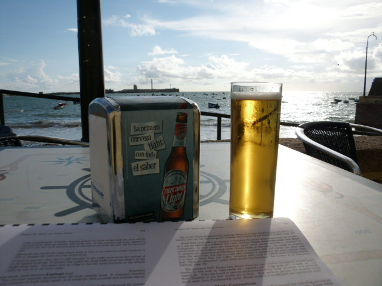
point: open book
(230, 252)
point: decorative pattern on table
(11, 167)
(69, 161)
(45, 178)
(75, 192)
(213, 189)
(347, 201)
(78, 189)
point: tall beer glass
(255, 124)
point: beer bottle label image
(174, 187)
(180, 134)
(174, 190)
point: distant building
(369, 108)
(376, 87)
(136, 90)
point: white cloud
(135, 29)
(332, 45)
(309, 41)
(351, 61)
(378, 53)
(226, 67)
(34, 78)
(320, 35)
(216, 69)
(297, 26)
(167, 67)
(276, 1)
(159, 51)
(29, 79)
(111, 77)
(279, 46)
(362, 11)
(168, 1)
(303, 67)
(73, 78)
(219, 71)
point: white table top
(339, 213)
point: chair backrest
(337, 136)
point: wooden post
(90, 53)
(2, 115)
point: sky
(195, 45)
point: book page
(239, 252)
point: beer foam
(256, 95)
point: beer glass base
(249, 216)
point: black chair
(8, 138)
(332, 142)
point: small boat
(60, 105)
(213, 105)
(346, 101)
(337, 100)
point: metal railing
(4, 92)
(219, 116)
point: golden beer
(255, 123)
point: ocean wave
(16, 110)
(46, 124)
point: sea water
(37, 116)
